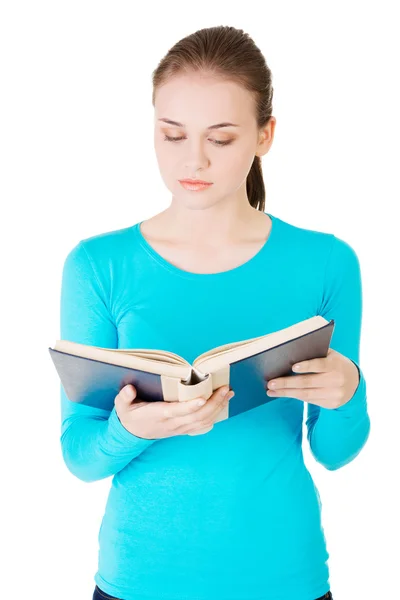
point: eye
(176, 139)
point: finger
(126, 394)
(203, 418)
(320, 396)
(300, 381)
(216, 401)
(314, 365)
(178, 409)
(208, 407)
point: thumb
(127, 394)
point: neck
(213, 226)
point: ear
(266, 137)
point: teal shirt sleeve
(337, 435)
(94, 442)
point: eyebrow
(217, 126)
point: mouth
(195, 181)
(194, 185)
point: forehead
(202, 100)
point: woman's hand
(154, 420)
(331, 382)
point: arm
(337, 435)
(94, 443)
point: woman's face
(222, 155)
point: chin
(195, 202)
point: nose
(197, 159)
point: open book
(94, 376)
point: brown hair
(231, 54)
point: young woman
(231, 514)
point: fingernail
(224, 391)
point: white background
(77, 159)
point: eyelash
(176, 139)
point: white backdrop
(77, 159)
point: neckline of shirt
(252, 262)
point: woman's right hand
(155, 420)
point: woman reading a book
(233, 513)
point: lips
(195, 181)
(195, 187)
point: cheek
(235, 165)
(167, 160)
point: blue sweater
(232, 514)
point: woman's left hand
(330, 382)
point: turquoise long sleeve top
(232, 514)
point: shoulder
(108, 244)
(103, 247)
(101, 258)
(329, 246)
